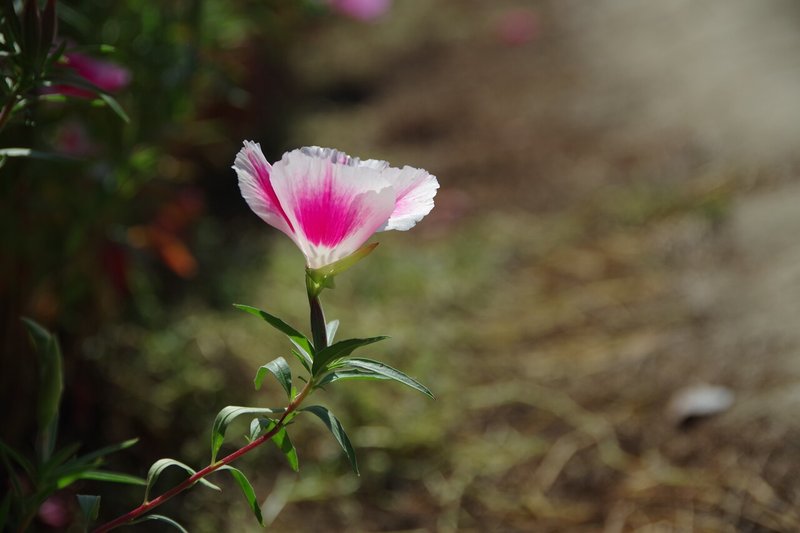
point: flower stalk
(210, 469)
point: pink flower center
(327, 216)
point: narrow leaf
(159, 518)
(31, 30)
(297, 338)
(339, 350)
(161, 465)
(282, 441)
(7, 452)
(338, 375)
(335, 427)
(303, 357)
(332, 327)
(51, 381)
(35, 154)
(225, 417)
(278, 368)
(114, 105)
(90, 506)
(247, 491)
(12, 20)
(49, 26)
(100, 475)
(107, 450)
(391, 373)
(60, 457)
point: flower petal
(415, 189)
(334, 203)
(254, 182)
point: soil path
(564, 112)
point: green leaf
(64, 474)
(35, 154)
(338, 375)
(114, 105)
(90, 506)
(16, 484)
(282, 441)
(304, 358)
(391, 373)
(49, 27)
(225, 417)
(51, 382)
(106, 450)
(332, 327)
(7, 452)
(161, 465)
(339, 350)
(60, 457)
(159, 518)
(247, 491)
(31, 31)
(12, 20)
(336, 429)
(100, 475)
(280, 369)
(298, 339)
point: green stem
(318, 326)
(150, 505)
(5, 112)
(319, 331)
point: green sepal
(336, 429)
(321, 278)
(278, 368)
(225, 417)
(298, 339)
(247, 490)
(161, 465)
(281, 440)
(338, 350)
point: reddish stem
(149, 505)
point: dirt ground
(629, 175)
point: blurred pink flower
(518, 26)
(55, 511)
(72, 139)
(361, 9)
(329, 203)
(106, 75)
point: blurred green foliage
(111, 219)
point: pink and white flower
(329, 203)
(365, 10)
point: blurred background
(604, 300)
